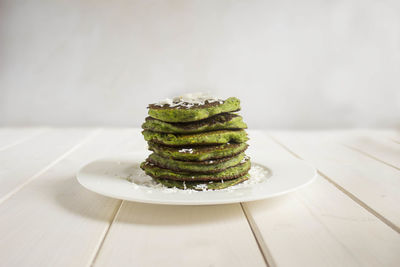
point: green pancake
(227, 174)
(198, 153)
(209, 166)
(184, 112)
(206, 138)
(222, 121)
(199, 186)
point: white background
(294, 64)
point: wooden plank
(23, 162)
(156, 235)
(370, 181)
(53, 221)
(12, 136)
(318, 225)
(395, 135)
(376, 146)
(321, 226)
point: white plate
(111, 177)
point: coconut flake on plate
(257, 174)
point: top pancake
(186, 112)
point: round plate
(113, 177)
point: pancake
(206, 138)
(181, 111)
(209, 166)
(227, 174)
(218, 122)
(198, 153)
(198, 142)
(201, 185)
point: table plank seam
(371, 156)
(326, 228)
(361, 203)
(89, 136)
(92, 261)
(349, 194)
(22, 140)
(269, 261)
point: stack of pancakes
(197, 143)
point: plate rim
(178, 202)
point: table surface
(350, 216)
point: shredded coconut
(202, 187)
(140, 180)
(189, 100)
(186, 150)
(244, 159)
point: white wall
(294, 64)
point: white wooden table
(350, 216)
